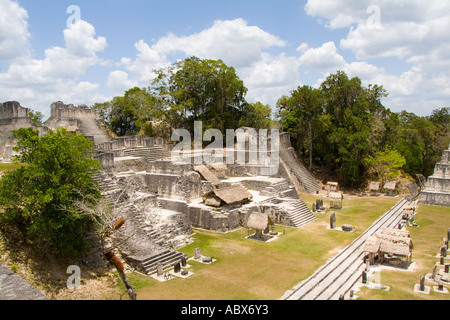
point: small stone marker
(177, 268)
(347, 228)
(183, 261)
(364, 277)
(422, 283)
(207, 259)
(333, 220)
(444, 251)
(441, 286)
(197, 253)
(159, 270)
(447, 268)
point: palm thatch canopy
(390, 185)
(390, 241)
(398, 246)
(374, 186)
(259, 221)
(397, 233)
(372, 244)
(207, 175)
(336, 196)
(228, 196)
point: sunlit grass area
(4, 167)
(251, 270)
(428, 238)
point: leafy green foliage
(37, 200)
(342, 125)
(385, 165)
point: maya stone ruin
(163, 200)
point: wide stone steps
(299, 170)
(149, 153)
(300, 214)
(166, 258)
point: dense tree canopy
(335, 126)
(342, 125)
(36, 201)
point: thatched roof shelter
(397, 233)
(207, 175)
(228, 196)
(390, 241)
(374, 186)
(336, 196)
(390, 185)
(372, 244)
(398, 246)
(259, 221)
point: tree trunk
(310, 138)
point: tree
(34, 199)
(300, 114)
(421, 141)
(256, 115)
(201, 90)
(385, 165)
(132, 113)
(36, 117)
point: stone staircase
(109, 188)
(280, 189)
(300, 214)
(167, 258)
(150, 154)
(293, 163)
(297, 211)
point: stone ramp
(343, 271)
(149, 264)
(13, 287)
(295, 167)
(90, 128)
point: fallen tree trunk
(112, 259)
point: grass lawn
(252, 270)
(428, 238)
(9, 167)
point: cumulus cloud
(324, 58)
(14, 34)
(233, 41)
(238, 44)
(39, 82)
(414, 32)
(118, 82)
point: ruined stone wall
(13, 117)
(77, 119)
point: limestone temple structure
(437, 191)
(13, 117)
(162, 200)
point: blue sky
(275, 46)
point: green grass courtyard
(251, 270)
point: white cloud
(14, 34)
(324, 58)
(37, 83)
(118, 82)
(270, 78)
(239, 45)
(233, 41)
(414, 32)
